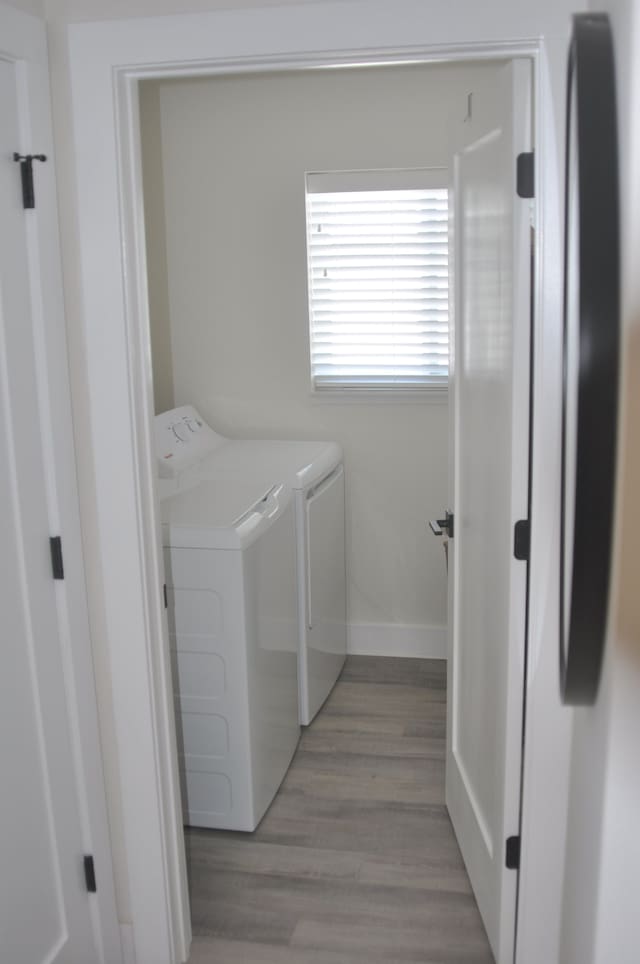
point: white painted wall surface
(79, 11)
(234, 154)
(309, 27)
(156, 237)
(33, 7)
(602, 881)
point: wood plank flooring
(356, 861)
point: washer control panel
(182, 439)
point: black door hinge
(164, 592)
(26, 173)
(521, 540)
(90, 874)
(57, 566)
(525, 175)
(512, 853)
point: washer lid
(298, 464)
(221, 514)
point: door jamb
(133, 236)
(159, 793)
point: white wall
(156, 238)
(33, 7)
(78, 11)
(235, 150)
(602, 882)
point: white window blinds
(378, 283)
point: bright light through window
(378, 280)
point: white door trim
(24, 43)
(107, 60)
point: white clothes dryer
(315, 472)
(230, 567)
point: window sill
(372, 396)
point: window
(377, 251)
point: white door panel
(45, 914)
(487, 586)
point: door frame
(106, 62)
(24, 43)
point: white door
(45, 908)
(489, 491)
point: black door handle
(438, 526)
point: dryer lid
(299, 464)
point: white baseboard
(396, 639)
(128, 946)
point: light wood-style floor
(356, 861)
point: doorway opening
(207, 307)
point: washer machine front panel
(232, 617)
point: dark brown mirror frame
(591, 132)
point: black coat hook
(26, 173)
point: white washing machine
(315, 472)
(229, 556)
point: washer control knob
(180, 431)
